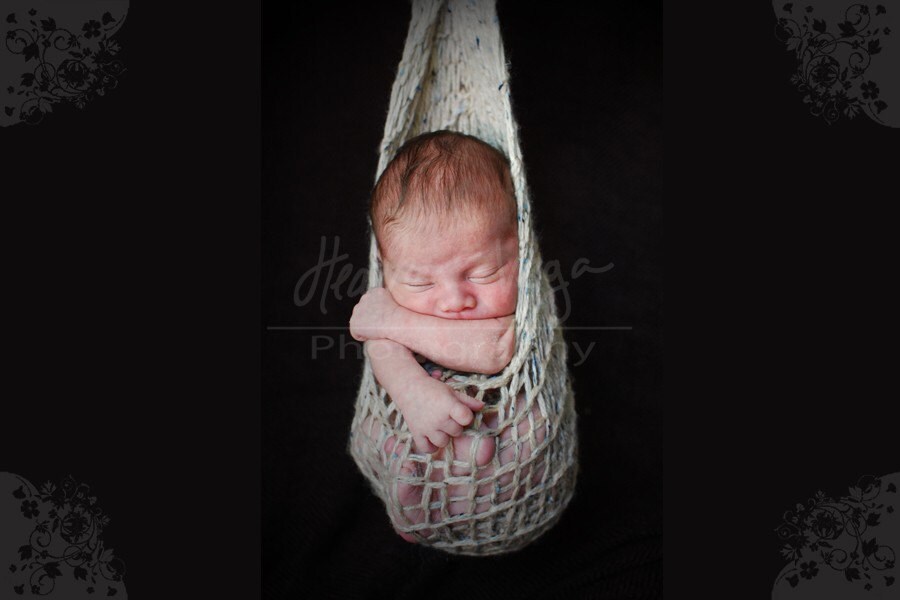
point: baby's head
(444, 218)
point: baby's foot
(466, 448)
(409, 495)
(502, 489)
(507, 454)
(468, 445)
(399, 467)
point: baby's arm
(433, 411)
(472, 345)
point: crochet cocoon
(453, 75)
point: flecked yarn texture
(453, 75)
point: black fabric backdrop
(587, 93)
(133, 322)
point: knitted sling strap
(453, 75)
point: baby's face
(454, 269)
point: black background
(131, 260)
(780, 249)
(130, 244)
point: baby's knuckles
(429, 407)
(372, 313)
(357, 324)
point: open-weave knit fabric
(453, 75)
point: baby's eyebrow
(483, 262)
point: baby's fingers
(423, 446)
(452, 428)
(461, 414)
(439, 438)
(469, 401)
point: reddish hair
(442, 173)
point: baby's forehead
(462, 234)
(418, 253)
(461, 221)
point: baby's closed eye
(487, 277)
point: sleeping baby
(444, 219)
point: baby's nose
(457, 300)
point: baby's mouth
(457, 315)
(470, 315)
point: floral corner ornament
(69, 56)
(838, 546)
(835, 48)
(61, 552)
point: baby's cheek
(506, 299)
(415, 302)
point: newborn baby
(444, 218)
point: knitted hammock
(453, 75)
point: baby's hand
(434, 412)
(372, 315)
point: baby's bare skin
(472, 345)
(433, 411)
(450, 295)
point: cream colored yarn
(453, 75)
